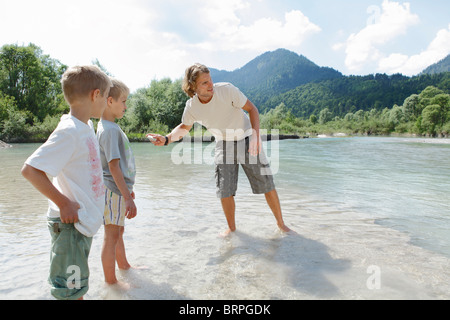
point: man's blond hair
(79, 81)
(190, 78)
(118, 89)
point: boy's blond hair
(118, 89)
(79, 81)
(190, 78)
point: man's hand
(177, 134)
(156, 139)
(255, 145)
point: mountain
(441, 66)
(273, 73)
(305, 88)
(353, 93)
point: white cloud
(266, 34)
(364, 47)
(131, 39)
(228, 32)
(219, 17)
(118, 33)
(438, 49)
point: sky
(138, 41)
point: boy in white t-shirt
(76, 196)
(119, 171)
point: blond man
(220, 108)
(71, 156)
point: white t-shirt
(223, 116)
(71, 155)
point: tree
(443, 100)
(411, 107)
(160, 104)
(139, 114)
(426, 97)
(349, 117)
(396, 115)
(97, 63)
(325, 116)
(33, 79)
(359, 116)
(431, 118)
(167, 101)
(7, 103)
(14, 128)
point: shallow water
(371, 217)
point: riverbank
(4, 145)
(269, 137)
(209, 138)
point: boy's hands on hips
(69, 212)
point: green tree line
(31, 104)
(30, 93)
(426, 113)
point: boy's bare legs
(110, 244)
(109, 253)
(121, 256)
(274, 203)
(229, 208)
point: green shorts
(69, 271)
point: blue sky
(138, 40)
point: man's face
(204, 87)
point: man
(219, 107)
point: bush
(15, 128)
(40, 131)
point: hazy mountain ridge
(274, 73)
(305, 88)
(441, 66)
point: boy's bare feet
(119, 285)
(134, 268)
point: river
(371, 217)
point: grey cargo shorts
(228, 156)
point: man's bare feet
(226, 233)
(284, 228)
